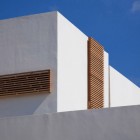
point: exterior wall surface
(72, 67)
(106, 79)
(29, 44)
(105, 124)
(122, 91)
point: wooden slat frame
(23, 83)
(95, 75)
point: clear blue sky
(113, 23)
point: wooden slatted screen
(23, 83)
(95, 75)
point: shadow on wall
(21, 105)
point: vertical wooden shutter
(23, 83)
(95, 75)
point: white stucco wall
(106, 79)
(122, 91)
(28, 44)
(104, 124)
(72, 67)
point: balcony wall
(106, 124)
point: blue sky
(113, 23)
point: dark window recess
(23, 83)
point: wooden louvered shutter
(23, 83)
(95, 75)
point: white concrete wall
(122, 91)
(28, 44)
(72, 67)
(104, 124)
(106, 79)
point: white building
(79, 76)
(48, 66)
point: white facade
(29, 44)
(72, 67)
(106, 80)
(49, 41)
(39, 42)
(122, 91)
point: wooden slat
(23, 83)
(95, 75)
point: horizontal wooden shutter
(23, 83)
(95, 75)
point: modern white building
(48, 65)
